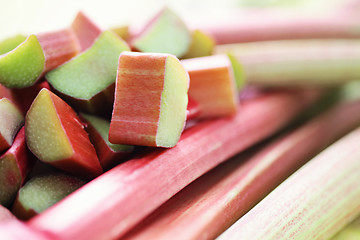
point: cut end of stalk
(174, 101)
(41, 192)
(45, 136)
(201, 45)
(91, 72)
(10, 43)
(166, 33)
(103, 126)
(11, 119)
(10, 179)
(22, 66)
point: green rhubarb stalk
(298, 62)
(232, 189)
(314, 203)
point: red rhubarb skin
(267, 25)
(83, 162)
(19, 153)
(193, 109)
(214, 202)
(135, 188)
(17, 230)
(58, 47)
(23, 97)
(3, 143)
(107, 156)
(24, 159)
(6, 93)
(136, 112)
(86, 30)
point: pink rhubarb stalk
(112, 204)
(265, 25)
(211, 204)
(313, 203)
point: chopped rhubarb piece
(201, 45)
(11, 120)
(87, 81)
(165, 33)
(15, 165)
(86, 30)
(123, 32)
(212, 85)
(23, 97)
(307, 204)
(23, 66)
(132, 190)
(9, 44)
(56, 136)
(150, 100)
(109, 154)
(41, 192)
(298, 62)
(233, 188)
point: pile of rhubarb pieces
(236, 131)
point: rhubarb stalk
(314, 203)
(265, 25)
(215, 201)
(132, 190)
(298, 62)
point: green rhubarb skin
(41, 192)
(103, 127)
(10, 43)
(22, 66)
(168, 34)
(91, 72)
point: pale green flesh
(167, 35)
(10, 43)
(174, 100)
(103, 126)
(10, 179)
(10, 120)
(91, 72)
(238, 71)
(22, 66)
(201, 45)
(41, 192)
(45, 136)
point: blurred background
(34, 16)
